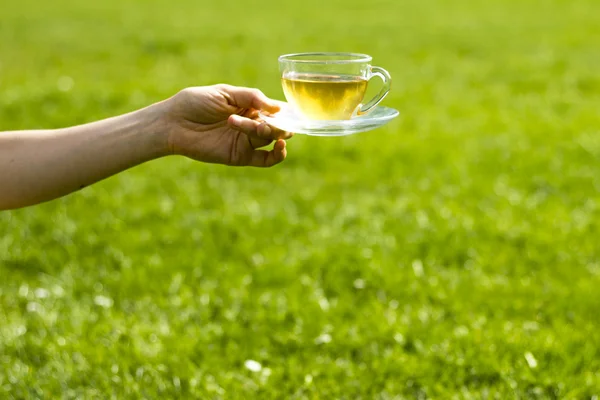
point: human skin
(213, 124)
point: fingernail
(267, 130)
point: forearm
(41, 165)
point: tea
(324, 97)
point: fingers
(263, 158)
(256, 128)
(258, 143)
(243, 97)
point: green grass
(452, 254)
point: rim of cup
(306, 58)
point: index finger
(257, 128)
(244, 97)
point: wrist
(170, 125)
(156, 128)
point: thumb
(243, 97)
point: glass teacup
(330, 86)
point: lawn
(454, 253)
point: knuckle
(222, 88)
(186, 92)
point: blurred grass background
(452, 254)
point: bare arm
(215, 124)
(41, 165)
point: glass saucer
(288, 120)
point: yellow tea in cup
(324, 97)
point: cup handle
(387, 84)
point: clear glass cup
(330, 86)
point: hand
(220, 124)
